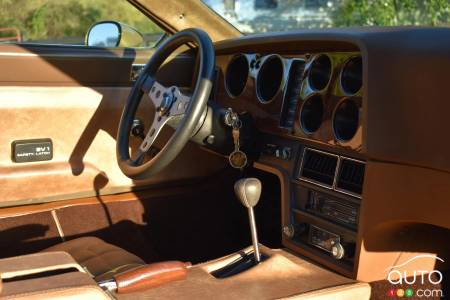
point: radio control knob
(293, 230)
(338, 251)
(289, 231)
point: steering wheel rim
(168, 101)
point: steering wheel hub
(166, 104)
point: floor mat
(202, 222)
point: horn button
(168, 100)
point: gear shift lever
(248, 190)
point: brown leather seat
(99, 258)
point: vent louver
(339, 173)
(351, 176)
(319, 167)
(293, 88)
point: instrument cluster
(317, 96)
(330, 105)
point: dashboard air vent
(292, 93)
(319, 167)
(351, 176)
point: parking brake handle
(146, 277)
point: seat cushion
(99, 258)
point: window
(254, 16)
(68, 21)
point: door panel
(44, 65)
(74, 95)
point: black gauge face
(351, 76)
(236, 75)
(270, 78)
(311, 114)
(320, 72)
(346, 120)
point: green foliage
(69, 20)
(66, 19)
(297, 14)
(52, 20)
(392, 13)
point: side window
(66, 22)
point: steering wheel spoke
(168, 103)
(152, 134)
(138, 158)
(181, 103)
(157, 92)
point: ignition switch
(230, 117)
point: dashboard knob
(286, 153)
(293, 230)
(338, 251)
(289, 231)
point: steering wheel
(169, 103)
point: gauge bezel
(280, 78)
(227, 76)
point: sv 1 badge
(32, 150)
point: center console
(323, 209)
(280, 275)
(321, 200)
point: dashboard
(314, 97)
(341, 114)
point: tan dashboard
(352, 129)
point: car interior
(306, 164)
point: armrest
(36, 263)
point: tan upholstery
(36, 263)
(99, 258)
(282, 275)
(74, 285)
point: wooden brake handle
(150, 276)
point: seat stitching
(100, 257)
(115, 270)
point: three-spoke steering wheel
(169, 103)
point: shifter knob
(248, 190)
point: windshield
(254, 16)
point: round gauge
(311, 114)
(346, 120)
(320, 72)
(270, 78)
(236, 75)
(351, 75)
